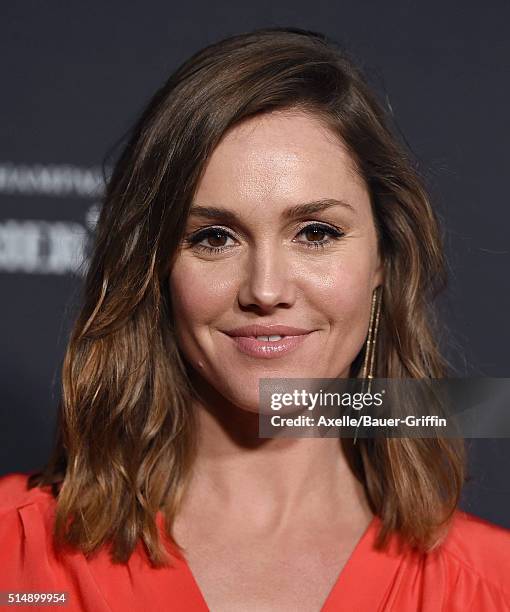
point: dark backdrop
(75, 75)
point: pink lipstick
(268, 341)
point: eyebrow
(293, 212)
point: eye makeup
(218, 233)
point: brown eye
(319, 235)
(210, 240)
(216, 239)
(315, 233)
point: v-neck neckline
(361, 583)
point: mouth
(268, 347)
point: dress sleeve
(28, 561)
(477, 559)
(470, 591)
(24, 542)
(11, 548)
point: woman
(262, 194)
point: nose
(267, 280)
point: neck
(269, 482)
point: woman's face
(253, 257)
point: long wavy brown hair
(126, 432)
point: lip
(245, 341)
(267, 330)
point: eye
(315, 233)
(215, 239)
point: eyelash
(200, 235)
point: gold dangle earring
(370, 350)
(368, 370)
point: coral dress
(469, 571)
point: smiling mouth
(268, 347)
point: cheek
(197, 297)
(343, 297)
(343, 285)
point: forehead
(277, 159)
